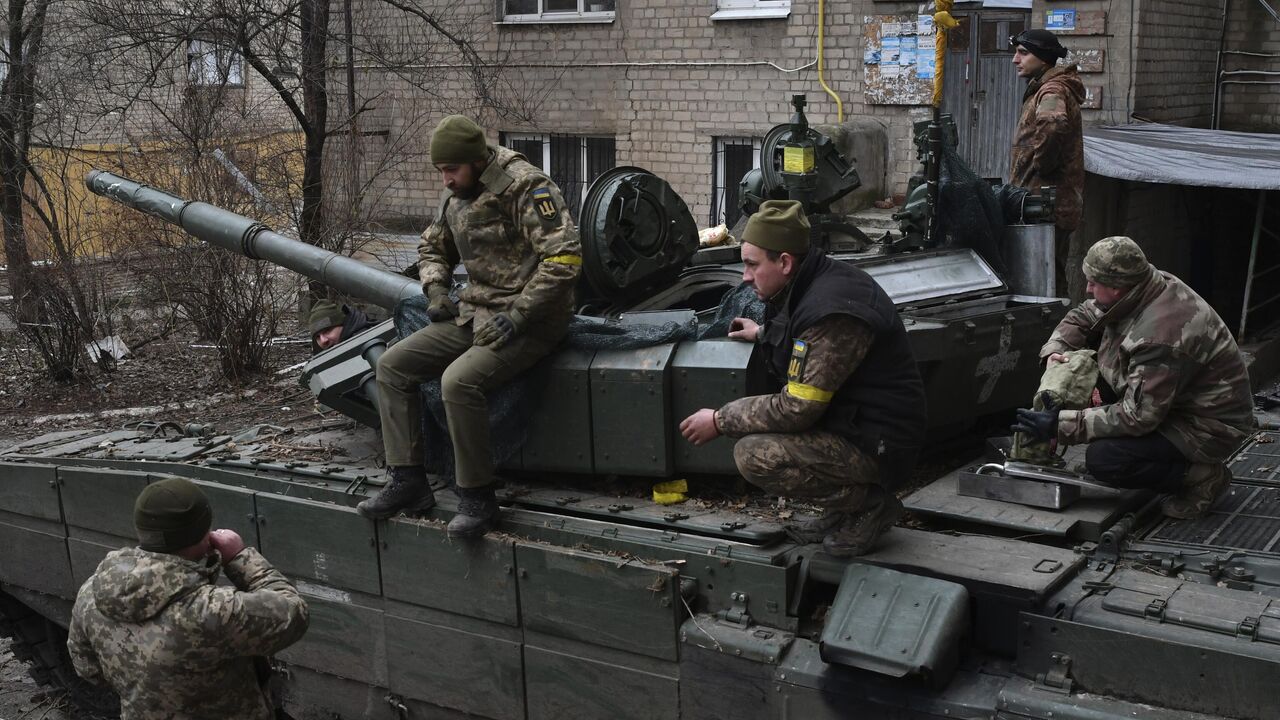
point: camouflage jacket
(1048, 144)
(156, 630)
(517, 242)
(1173, 364)
(835, 347)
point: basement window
(734, 157)
(556, 11)
(751, 9)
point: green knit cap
(457, 141)
(171, 514)
(779, 225)
(1116, 262)
(324, 315)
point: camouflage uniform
(780, 451)
(520, 248)
(1048, 149)
(1173, 365)
(157, 630)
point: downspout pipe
(822, 15)
(1217, 68)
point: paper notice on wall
(925, 67)
(890, 50)
(924, 25)
(907, 50)
(924, 44)
(871, 56)
(1060, 20)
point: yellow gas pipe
(839, 105)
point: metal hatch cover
(915, 278)
(636, 233)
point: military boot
(813, 531)
(1202, 485)
(859, 532)
(477, 513)
(407, 490)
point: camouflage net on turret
(512, 406)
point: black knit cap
(1041, 43)
(171, 514)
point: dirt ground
(176, 379)
(21, 698)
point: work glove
(498, 330)
(1039, 424)
(441, 307)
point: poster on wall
(897, 59)
(1056, 20)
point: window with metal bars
(571, 161)
(732, 158)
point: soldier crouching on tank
(848, 421)
(330, 324)
(1177, 393)
(152, 625)
(507, 223)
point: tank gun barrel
(252, 239)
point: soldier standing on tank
(1048, 144)
(1176, 393)
(508, 225)
(152, 625)
(848, 420)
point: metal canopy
(1175, 155)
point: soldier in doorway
(1048, 144)
(507, 223)
(847, 422)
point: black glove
(498, 330)
(441, 307)
(1039, 424)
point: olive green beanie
(171, 514)
(779, 225)
(457, 141)
(1116, 262)
(324, 315)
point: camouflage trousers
(817, 466)
(467, 374)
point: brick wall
(1251, 107)
(1176, 49)
(662, 78)
(1100, 44)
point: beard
(470, 192)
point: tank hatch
(636, 233)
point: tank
(594, 601)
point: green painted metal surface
(706, 375)
(467, 671)
(421, 565)
(327, 543)
(631, 411)
(100, 500)
(614, 602)
(344, 638)
(559, 438)
(31, 490)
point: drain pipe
(1217, 70)
(822, 15)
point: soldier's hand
(1054, 359)
(1039, 424)
(700, 427)
(228, 543)
(441, 306)
(744, 329)
(497, 330)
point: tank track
(42, 645)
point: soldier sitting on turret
(508, 225)
(848, 420)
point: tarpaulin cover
(1175, 155)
